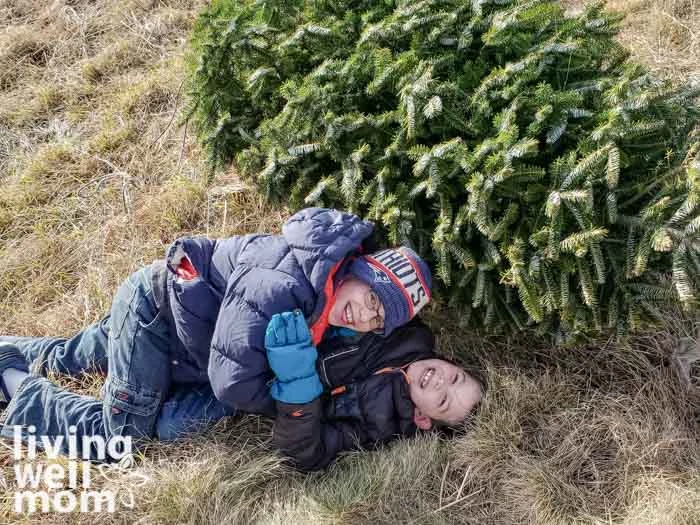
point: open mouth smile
(347, 314)
(426, 377)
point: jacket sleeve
(238, 368)
(213, 259)
(311, 443)
(368, 413)
(198, 250)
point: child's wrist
(297, 391)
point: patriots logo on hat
(380, 276)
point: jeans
(130, 345)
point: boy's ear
(421, 420)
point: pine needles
(517, 148)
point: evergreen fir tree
(551, 181)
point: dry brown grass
(663, 34)
(97, 178)
(602, 434)
(96, 173)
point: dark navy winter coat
(366, 401)
(220, 310)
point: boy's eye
(454, 379)
(373, 300)
(443, 402)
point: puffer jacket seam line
(247, 303)
(277, 266)
(245, 246)
(323, 250)
(318, 212)
(215, 348)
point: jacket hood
(319, 238)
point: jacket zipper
(323, 364)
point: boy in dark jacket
(376, 390)
(195, 323)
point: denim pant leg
(189, 409)
(138, 379)
(84, 352)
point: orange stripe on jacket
(321, 324)
(389, 369)
(339, 390)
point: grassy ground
(97, 177)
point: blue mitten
(292, 357)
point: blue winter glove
(290, 352)
(292, 357)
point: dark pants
(140, 400)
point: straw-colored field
(97, 177)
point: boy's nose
(365, 314)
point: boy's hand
(288, 328)
(292, 357)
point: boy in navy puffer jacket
(197, 321)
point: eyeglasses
(373, 303)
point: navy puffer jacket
(220, 315)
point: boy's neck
(342, 331)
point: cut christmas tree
(550, 181)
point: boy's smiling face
(357, 307)
(441, 391)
